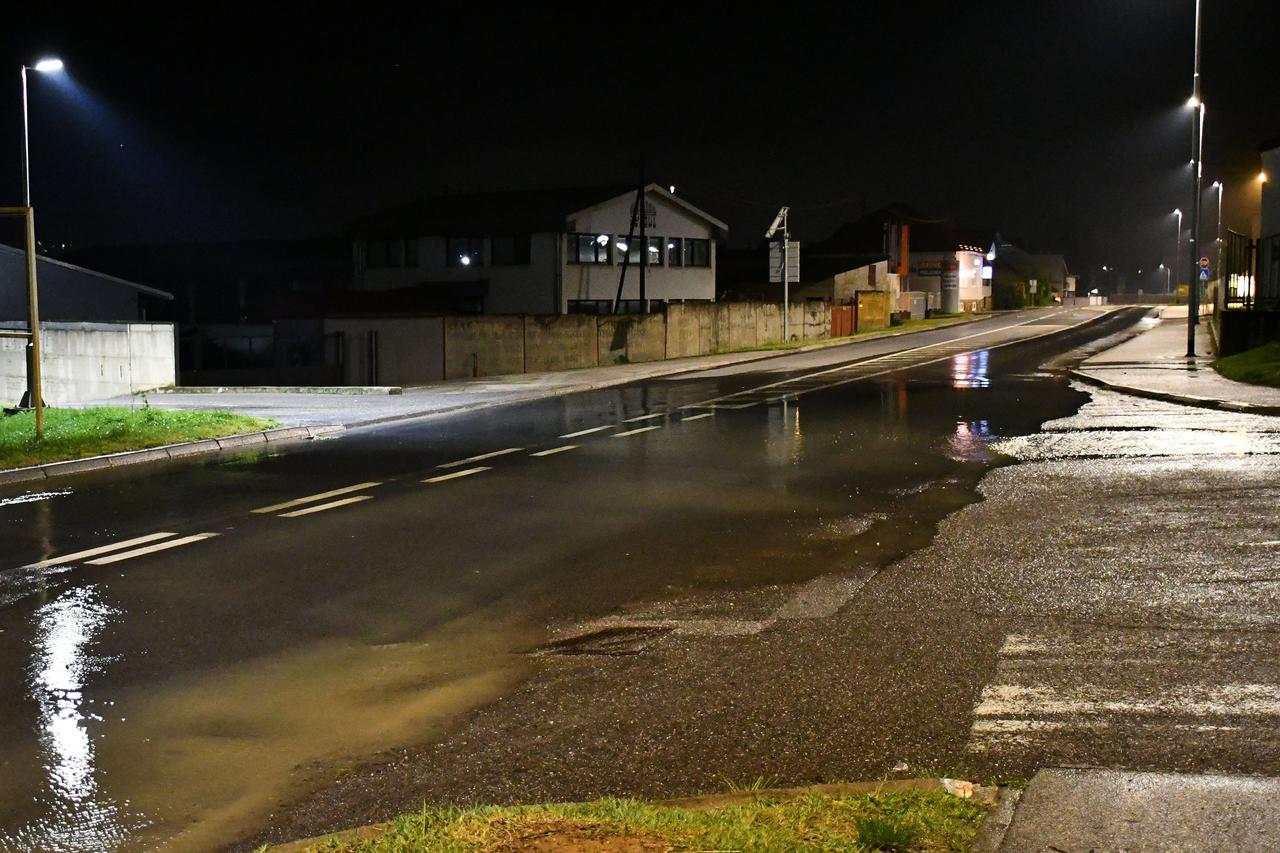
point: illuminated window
(675, 252)
(588, 248)
(464, 252)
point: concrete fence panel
(873, 310)
(817, 321)
(403, 351)
(90, 361)
(632, 338)
(483, 346)
(559, 342)
(768, 323)
(684, 337)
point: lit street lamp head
(48, 65)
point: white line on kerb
(358, 487)
(322, 507)
(151, 549)
(554, 450)
(93, 552)
(482, 456)
(635, 431)
(698, 417)
(644, 417)
(456, 474)
(586, 431)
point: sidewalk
(360, 407)
(1154, 364)
(1085, 810)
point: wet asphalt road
(181, 694)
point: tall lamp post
(1177, 246)
(34, 391)
(1197, 130)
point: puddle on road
(194, 763)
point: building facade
(551, 252)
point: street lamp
(48, 65)
(1177, 245)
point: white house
(539, 252)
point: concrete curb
(956, 787)
(164, 453)
(991, 834)
(1184, 399)
(353, 390)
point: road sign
(793, 261)
(1032, 283)
(1204, 263)
(1204, 273)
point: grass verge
(76, 433)
(891, 820)
(1258, 366)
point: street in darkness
(644, 591)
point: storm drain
(613, 641)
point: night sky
(1061, 123)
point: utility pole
(626, 255)
(1197, 130)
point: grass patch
(1258, 366)
(892, 820)
(76, 433)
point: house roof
(42, 261)
(1269, 145)
(508, 212)
(865, 235)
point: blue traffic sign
(1204, 275)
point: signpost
(782, 267)
(1204, 269)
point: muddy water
(177, 704)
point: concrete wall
(873, 311)
(483, 346)
(560, 342)
(632, 338)
(410, 350)
(89, 361)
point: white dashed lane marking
(635, 431)
(322, 507)
(151, 549)
(644, 417)
(698, 417)
(346, 490)
(553, 451)
(104, 549)
(481, 457)
(582, 432)
(456, 474)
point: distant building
(1270, 153)
(538, 252)
(71, 293)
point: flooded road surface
(185, 649)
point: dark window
(588, 306)
(655, 251)
(588, 248)
(509, 250)
(411, 252)
(384, 253)
(630, 248)
(675, 252)
(636, 306)
(697, 253)
(464, 252)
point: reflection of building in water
(969, 442)
(74, 814)
(969, 370)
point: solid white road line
(554, 450)
(456, 474)
(644, 417)
(635, 431)
(587, 431)
(358, 487)
(697, 417)
(322, 507)
(105, 549)
(482, 456)
(151, 549)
